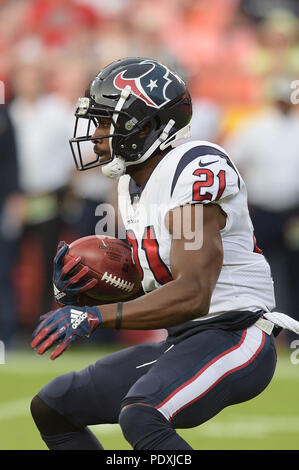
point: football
(110, 262)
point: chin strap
(183, 133)
(125, 93)
(158, 143)
(114, 169)
(117, 167)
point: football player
(204, 279)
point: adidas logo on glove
(57, 294)
(77, 317)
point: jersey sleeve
(210, 178)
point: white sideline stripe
(285, 370)
(30, 363)
(15, 409)
(257, 426)
(245, 427)
(100, 429)
(18, 408)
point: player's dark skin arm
(194, 272)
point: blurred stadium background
(240, 60)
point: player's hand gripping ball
(69, 278)
(95, 270)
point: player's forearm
(172, 304)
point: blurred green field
(270, 421)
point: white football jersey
(197, 172)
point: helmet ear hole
(158, 122)
(146, 129)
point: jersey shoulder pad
(204, 173)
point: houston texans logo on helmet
(151, 86)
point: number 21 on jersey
(207, 179)
(150, 246)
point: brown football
(110, 262)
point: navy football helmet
(133, 93)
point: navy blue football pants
(189, 382)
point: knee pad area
(39, 410)
(143, 426)
(47, 407)
(47, 420)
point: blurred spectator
(42, 127)
(278, 45)
(258, 10)
(12, 208)
(10, 33)
(106, 9)
(267, 154)
(194, 32)
(59, 22)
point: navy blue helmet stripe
(197, 152)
